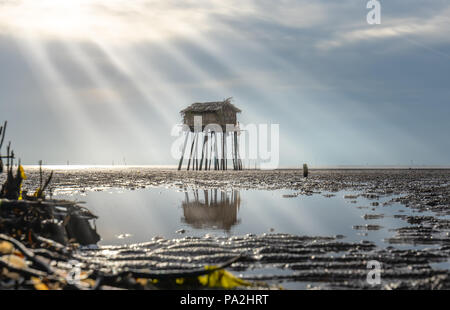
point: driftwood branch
(28, 254)
(2, 133)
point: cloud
(428, 29)
(122, 21)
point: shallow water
(133, 216)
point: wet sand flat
(296, 261)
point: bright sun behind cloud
(105, 20)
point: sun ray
(64, 101)
(140, 133)
(141, 86)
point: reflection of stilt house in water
(217, 209)
(214, 121)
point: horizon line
(87, 166)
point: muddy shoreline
(323, 262)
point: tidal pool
(134, 216)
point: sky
(103, 81)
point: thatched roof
(213, 106)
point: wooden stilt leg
(195, 163)
(206, 150)
(210, 150)
(232, 151)
(219, 157)
(226, 151)
(223, 152)
(184, 150)
(190, 156)
(216, 153)
(235, 158)
(236, 151)
(238, 156)
(205, 139)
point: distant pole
(184, 150)
(305, 170)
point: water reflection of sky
(127, 216)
